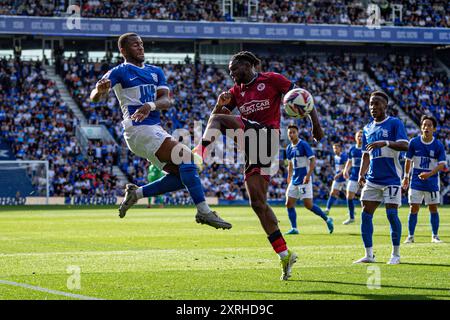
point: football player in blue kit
(382, 141)
(351, 172)
(301, 163)
(142, 92)
(426, 156)
(339, 182)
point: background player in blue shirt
(383, 140)
(300, 169)
(351, 172)
(142, 92)
(426, 156)
(340, 159)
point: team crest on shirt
(261, 87)
(431, 153)
(385, 133)
(155, 77)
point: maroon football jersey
(260, 100)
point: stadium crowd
(38, 125)
(338, 83)
(421, 13)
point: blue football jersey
(135, 86)
(299, 154)
(385, 168)
(339, 164)
(425, 157)
(355, 155)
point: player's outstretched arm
(317, 128)
(101, 90)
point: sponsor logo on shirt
(253, 106)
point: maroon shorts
(258, 160)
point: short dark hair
(246, 56)
(292, 126)
(380, 94)
(123, 39)
(337, 143)
(431, 118)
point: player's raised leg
(257, 188)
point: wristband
(152, 106)
(387, 143)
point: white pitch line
(56, 292)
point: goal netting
(20, 179)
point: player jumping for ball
(142, 92)
(426, 156)
(257, 96)
(382, 141)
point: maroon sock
(277, 241)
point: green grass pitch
(163, 254)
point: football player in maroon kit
(257, 96)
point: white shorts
(417, 196)
(387, 194)
(340, 186)
(145, 140)
(301, 191)
(352, 186)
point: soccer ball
(301, 99)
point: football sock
(168, 183)
(316, 210)
(396, 251)
(330, 202)
(351, 208)
(396, 225)
(292, 217)
(367, 229)
(412, 222)
(434, 220)
(191, 180)
(278, 243)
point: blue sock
(319, 212)
(367, 229)
(190, 178)
(168, 183)
(292, 217)
(396, 226)
(434, 220)
(412, 221)
(351, 208)
(330, 202)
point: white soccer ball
(298, 99)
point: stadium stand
(38, 126)
(423, 13)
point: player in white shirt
(142, 93)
